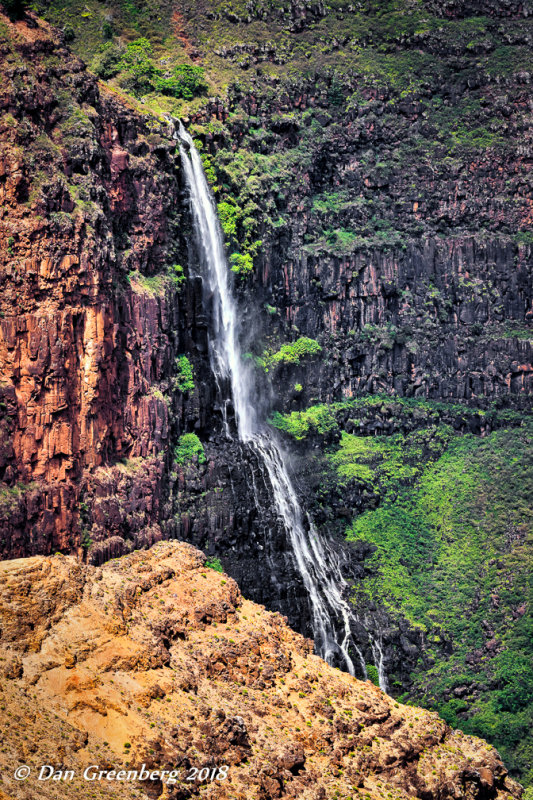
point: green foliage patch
(189, 449)
(291, 353)
(214, 563)
(320, 418)
(453, 555)
(139, 73)
(387, 462)
(184, 379)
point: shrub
(320, 418)
(228, 219)
(105, 62)
(214, 563)
(68, 32)
(140, 69)
(177, 274)
(186, 82)
(373, 674)
(292, 352)
(188, 448)
(107, 30)
(184, 380)
(242, 264)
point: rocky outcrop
(154, 659)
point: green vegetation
(106, 61)
(189, 449)
(399, 411)
(241, 263)
(214, 563)
(372, 673)
(291, 353)
(298, 424)
(156, 285)
(453, 555)
(186, 81)
(524, 237)
(13, 497)
(178, 275)
(140, 70)
(238, 232)
(140, 75)
(391, 69)
(228, 216)
(184, 379)
(387, 462)
(149, 284)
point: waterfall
(317, 564)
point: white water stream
(317, 563)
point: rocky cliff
(154, 659)
(371, 171)
(97, 315)
(88, 194)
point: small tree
(139, 66)
(186, 82)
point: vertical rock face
(89, 320)
(92, 319)
(415, 311)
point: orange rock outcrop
(154, 659)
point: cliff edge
(156, 660)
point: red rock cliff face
(89, 320)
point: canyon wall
(90, 321)
(96, 309)
(384, 205)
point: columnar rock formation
(90, 322)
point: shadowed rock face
(158, 653)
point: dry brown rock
(154, 659)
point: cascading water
(318, 565)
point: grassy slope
(454, 555)
(387, 44)
(454, 548)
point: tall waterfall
(317, 563)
